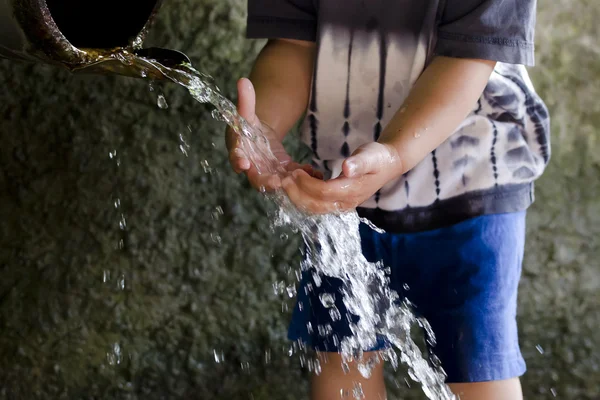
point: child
(421, 116)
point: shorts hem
(490, 372)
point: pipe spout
(82, 36)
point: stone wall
(184, 306)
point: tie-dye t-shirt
(371, 52)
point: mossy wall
(184, 308)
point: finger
(238, 160)
(371, 158)
(263, 182)
(332, 190)
(246, 105)
(231, 138)
(304, 201)
(358, 164)
(292, 166)
(309, 169)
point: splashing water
(334, 249)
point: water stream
(334, 248)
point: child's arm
(442, 97)
(280, 80)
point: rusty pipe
(82, 36)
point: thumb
(365, 160)
(246, 105)
(356, 165)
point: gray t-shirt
(371, 52)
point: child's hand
(366, 171)
(238, 159)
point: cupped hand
(366, 171)
(260, 175)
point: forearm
(441, 99)
(282, 78)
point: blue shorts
(463, 279)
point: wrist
(395, 154)
(396, 161)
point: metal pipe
(86, 36)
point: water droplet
(278, 288)
(117, 203)
(183, 150)
(406, 287)
(283, 236)
(417, 135)
(540, 349)
(553, 391)
(215, 238)
(317, 367)
(218, 359)
(327, 299)
(206, 166)
(114, 356)
(345, 368)
(335, 314)
(291, 291)
(106, 276)
(122, 223)
(217, 115)
(162, 102)
(344, 393)
(324, 330)
(267, 356)
(365, 369)
(121, 282)
(121, 244)
(143, 73)
(358, 391)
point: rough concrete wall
(192, 279)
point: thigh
(509, 389)
(338, 381)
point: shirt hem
(281, 28)
(443, 213)
(485, 47)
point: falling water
(334, 247)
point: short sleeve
(282, 19)
(497, 30)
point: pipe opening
(100, 24)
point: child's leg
(496, 390)
(334, 383)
